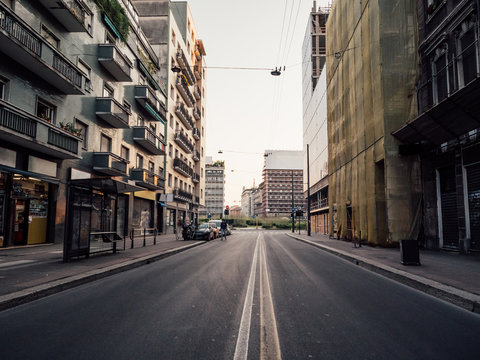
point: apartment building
(315, 134)
(171, 30)
(82, 124)
(214, 188)
(446, 133)
(282, 183)
(247, 201)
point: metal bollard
(144, 237)
(155, 237)
(131, 238)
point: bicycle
(188, 232)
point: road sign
(253, 216)
(227, 207)
(209, 215)
(293, 209)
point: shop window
(105, 143)
(125, 153)
(49, 36)
(46, 111)
(139, 161)
(83, 132)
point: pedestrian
(223, 228)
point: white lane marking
(269, 339)
(13, 263)
(241, 349)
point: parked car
(204, 231)
(216, 229)
(219, 225)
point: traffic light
(226, 211)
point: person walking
(223, 228)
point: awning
(42, 177)
(109, 186)
(455, 116)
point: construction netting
(372, 69)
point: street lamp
(293, 207)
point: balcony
(150, 103)
(182, 167)
(182, 195)
(107, 163)
(182, 87)
(197, 114)
(109, 110)
(146, 179)
(198, 72)
(196, 178)
(182, 140)
(186, 70)
(145, 137)
(24, 45)
(30, 132)
(197, 92)
(72, 14)
(184, 116)
(196, 133)
(196, 156)
(117, 64)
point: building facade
(374, 193)
(282, 183)
(82, 124)
(445, 134)
(315, 118)
(170, 29)
(247, 201)
(214, 188)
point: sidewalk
(29, 273)
(448, 276)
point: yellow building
(374, 193)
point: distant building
(257, 200)
(214, 188)
(235, 211)
(282, 182)
(247, 202)
(315, 118)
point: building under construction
(374, 194)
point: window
(201, 193)
(139, 161)
(170, 148)
(151, 166)
(174, 39)
(46, 111)
(175, 182)
(440, 75)
(140, 121)
(83, 132)
(49, 36)
(3, 88)
(160, 171)
(107, 90)
(127, 106)
(176, 153)
(125, 153)
(172, 93)
(177, 125)
(105, 143)
(467, 49)
(86, 69)
(170, 180)
(109, 39)
(171, 121)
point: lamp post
(309, 226)
(293, 207)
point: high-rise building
(282, 183)
(82, 125)
(214, 188)
(247, 200)
(446, 132)
(315, 118)
(170, 29)
(374, 192)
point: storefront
(27, 207)
(143, 210)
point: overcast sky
(249, 111)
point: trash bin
(409, 252)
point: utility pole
(309, 226)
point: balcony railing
(147, 179)
(110, 164)
(182, 167)
(198, 71)
(117, 64)
(182, 195)
(182, 113)
(196, 177)
(183, 142)
(186, 70)
(197, 92)
(182, 87)
(150, 103)
(196, 133)
(197, 113)
(196, 156)
(30, 132)
(147, 138)
(72, 14)
(110, 110)
(28, 48)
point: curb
(40, 291)
(461, 298)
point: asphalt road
(258, 295)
